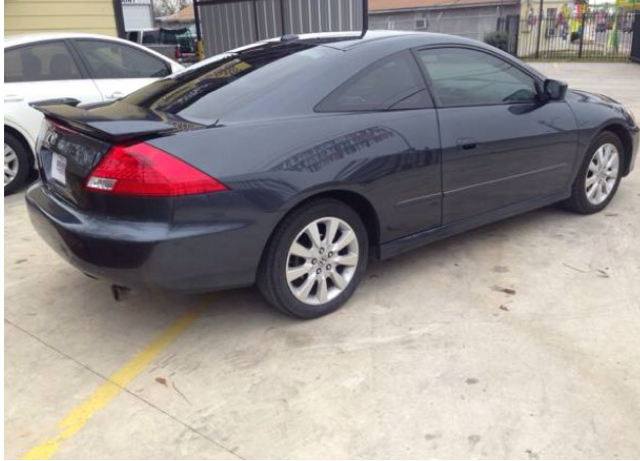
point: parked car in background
(85, 67)
(290, 162)
(176, 43)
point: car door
(396, 120)
(501, 143)
(39, 71)
(119, 69)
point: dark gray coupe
(293, 161)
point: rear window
(215, 89)
(108, 59)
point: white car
(86, 67)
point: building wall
(29, 16)
(473, 22)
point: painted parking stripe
(80, 415)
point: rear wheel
(599, 176)
(16, 163)
(315, 259)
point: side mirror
(554, 89)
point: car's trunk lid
(74, 139)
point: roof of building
(379, 6)
(184, 15)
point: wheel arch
(625, 138)
(358, 202)
(22, 138)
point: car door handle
(115, 95)
(467, 143)
(12, 98)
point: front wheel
(315, 259)
(599, 176)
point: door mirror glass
(555, 89)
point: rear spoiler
(98, 125)
(54, 102)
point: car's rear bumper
(194, 258)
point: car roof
(23, 39)
(355, 39)
(375, 37)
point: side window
(151, 37)
(463, 77)
(36, 63)
(112, 60)
(133, 36)
(392, 83)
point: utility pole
(539, 29)
(196, 17)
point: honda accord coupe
(289, 163)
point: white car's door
(36, 72)
(120, 69)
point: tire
(17, 154)
(587, 201)
(316, 266)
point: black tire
(24, 165)
(271, 275)
(578, 202)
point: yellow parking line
(80, 415)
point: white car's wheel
(16, 163)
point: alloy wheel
(322, 261)
(602, 174)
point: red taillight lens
(141, 169)
(178, 52)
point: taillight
(141, 169)
(178, 52)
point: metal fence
(228, 24)
(590, 36)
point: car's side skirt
(395, 247)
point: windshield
(229, 82)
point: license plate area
(66, 158)
(59, 168)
